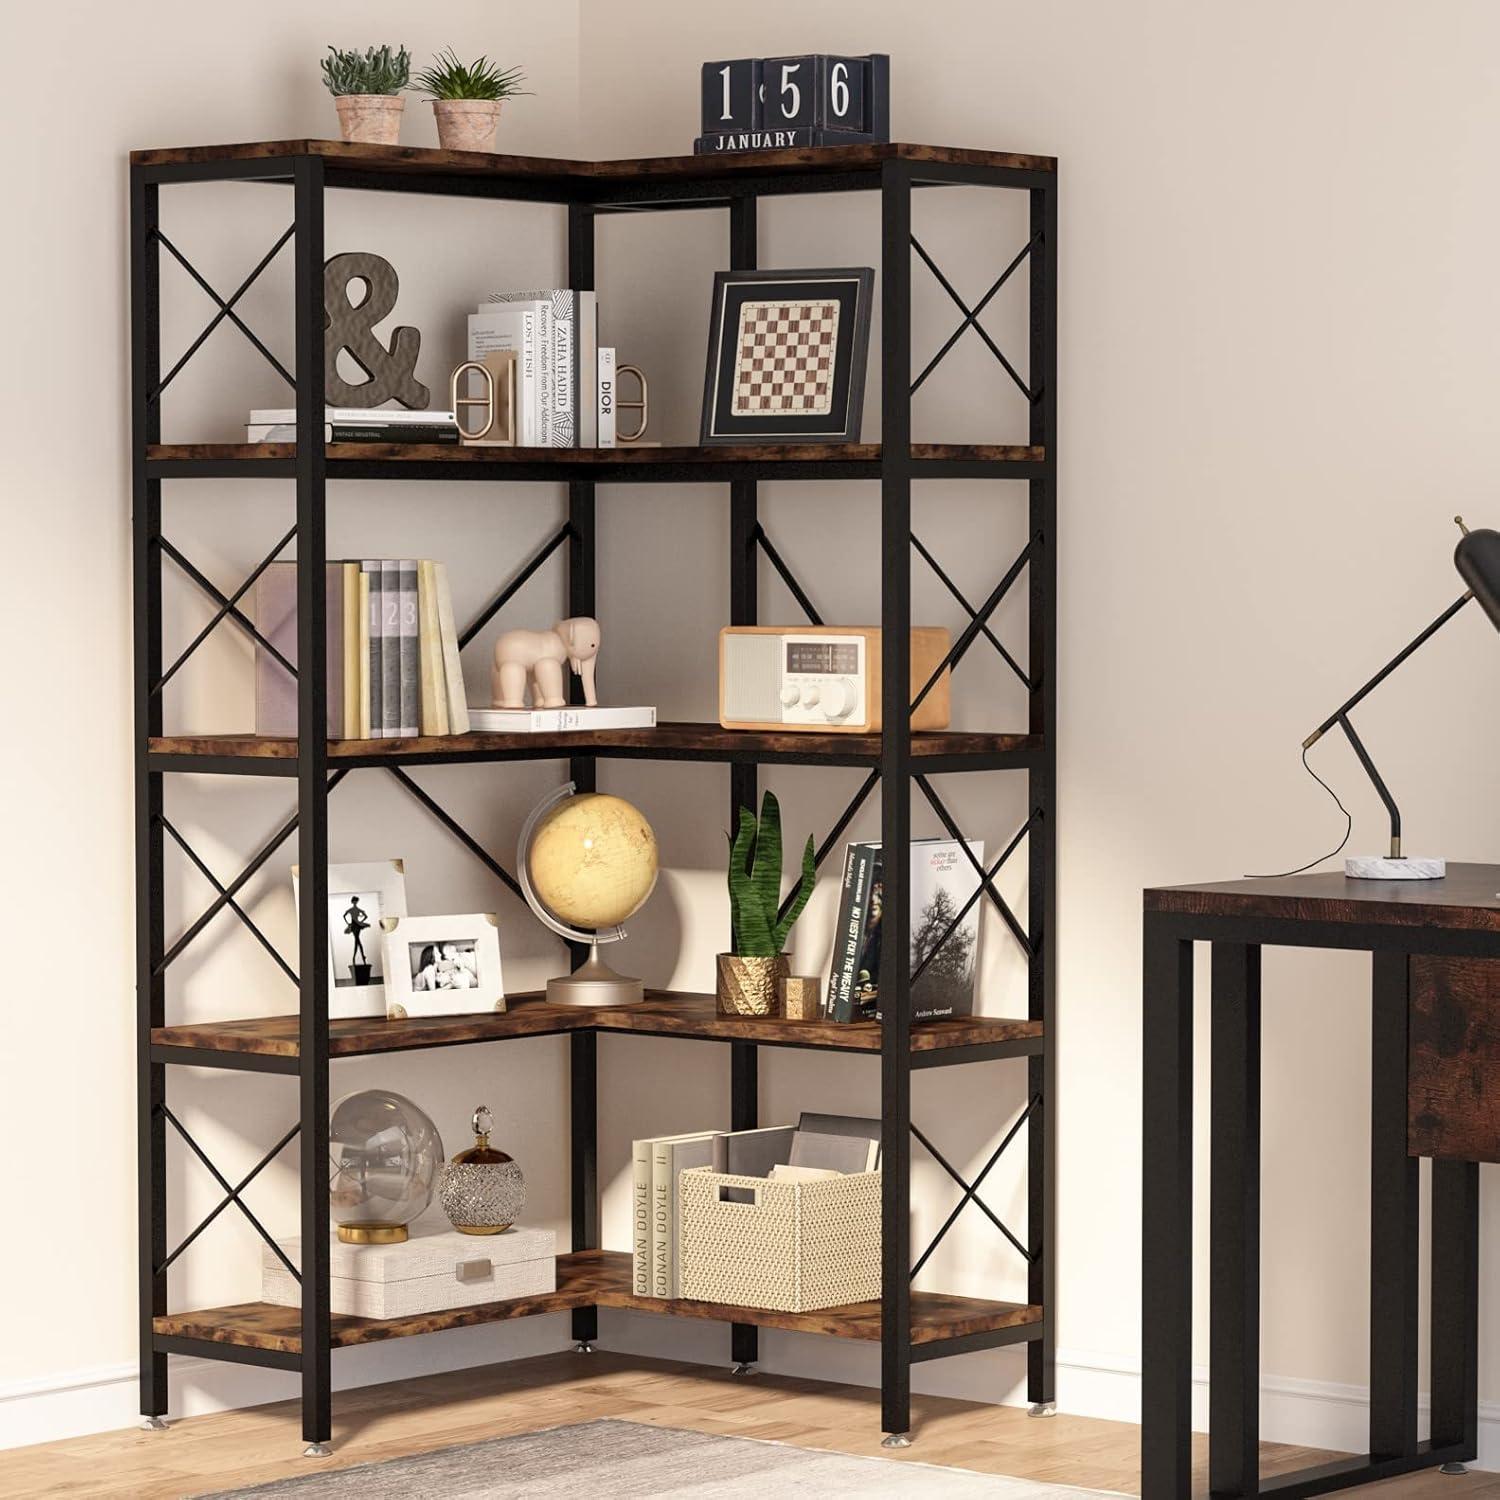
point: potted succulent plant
(466, 98)
(366, 88)
(749, 978)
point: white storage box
(430, 1272)
(785, 1246)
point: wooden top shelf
(663, 1013)
(256, 754)
(408, 160)
(607, 465)
(596, 1278)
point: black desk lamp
(1477, 559)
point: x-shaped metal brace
(226, 310)
(971, 316)
(232, 1194)
(969, 610)
(971, 1190)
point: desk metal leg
(1167, 1214)
(1393, 1222)
(1455, 1305)
(1234, 1223)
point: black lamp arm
(1340, 716)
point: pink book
(276, 618)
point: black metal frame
(1234, 1217)
(894, 770)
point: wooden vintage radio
(824, 678)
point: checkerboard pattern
(785, 361)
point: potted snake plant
(366, 88)
(749, 978)
(466, 99)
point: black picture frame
(853, 288)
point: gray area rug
(610, 1459)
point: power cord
(1348, 828)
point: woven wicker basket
(792, 1247)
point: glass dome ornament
(587, 864)
(384, 1155)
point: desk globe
(587, 863)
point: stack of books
(944, 883)
(355, 424)
(393, 667)
(564, 380)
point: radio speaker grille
(752, 677)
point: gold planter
(751, 986)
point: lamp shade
(1477, 558)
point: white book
(586, 362)
(557, 720)
(453, 674)
(640, 1218)
(278, 416)
(605, 419)
(671, 1154)
(513, 325)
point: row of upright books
(944, 946)
(392, 651)
(564, 380)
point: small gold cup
(799, 997)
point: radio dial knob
(810, 696)
(839, 698)
(789, 693)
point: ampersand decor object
(350, 325)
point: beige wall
(1277, 371)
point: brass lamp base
(595, 984)
(373, 1234)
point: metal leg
(1041, 849)
(1455, 1308)
(1393, 1222)
(583, 1057)
(744, 1114)
(1167, 1216)
(312, 799)
(895, 798)
(155, 1424)
(150, 936)
(1234, 1218)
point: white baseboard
(1319, 1414)
(1309, 1413)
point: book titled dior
(944, 942)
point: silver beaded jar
(482, 1190)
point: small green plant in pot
(466, 99)
(750, 977)
(366, 88)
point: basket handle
(743, 1194)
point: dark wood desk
(1435, 1040)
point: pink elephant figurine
(538, 655)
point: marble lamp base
(1383, 867)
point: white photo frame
(442, 966)
(379, 889)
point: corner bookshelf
(909, 1326)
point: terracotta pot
(751, 986)
(372, 118)
(467, 124)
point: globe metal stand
(593, 983)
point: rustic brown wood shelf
(706, 742)
(799, 461)
(596, 1278)
(664, 1013)
(399, 162)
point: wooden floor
(249, 1447)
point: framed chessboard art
(786, 356)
